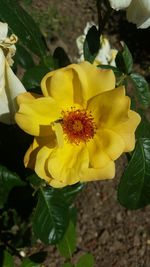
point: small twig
(103, 20)
(99, 14)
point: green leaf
(23, 57)
(68, 244)
(8, 180)
(86, 260)
(51, 217)
(35, 180)
(22, 24)
(7, 260)
(32, 77)
(143, 130)
(134, 187)
(68, 264)
(124, 60)
(28, 263)
(61, 57)
(70, 192)
(91, 47)
(142, 89)
(116, 71)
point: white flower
(10, 85)
(105, 55)
(138, 11)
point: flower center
(78, 125)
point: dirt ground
(115, 236)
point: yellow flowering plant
(62, 124)
(78, 131)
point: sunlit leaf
(22, 24)
(68, 264)
(51, 217)
(134, 187)
(68, 244)
(28, 263)
(7, 260)
(86, 260)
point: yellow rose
(81, 125)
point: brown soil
(115, 236)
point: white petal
(139, 13)
(145, 25)
(146, 5)
(10, 87)
(3, 31)
(88, 26)
(119, 4)
(80, 42)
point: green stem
(122, 78)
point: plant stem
(103, 20)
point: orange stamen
(78, 125)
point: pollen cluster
(78, 125)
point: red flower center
(78, 125)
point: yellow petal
(57, 184)
(105, 146)
(110, 108)
(65, 164)
(41, 163)
(127, 129)
(97, 156)
(35, 116)
(98, 80)
(58, 84)
(27, 97)
(111, 143)
(38, 142)
(77, 83)
(91, 174)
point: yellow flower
(81, 125)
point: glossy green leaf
(86, 260)
(23, 57)
(7, 260)
(67, 245)
(90, 47)
(134, 187)
(32, 77)
(143, 130)
(70, 192)
(142, 89)
(8, 180)
(51, 217)
(22, 24)
(28, 263)
(124, 60)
